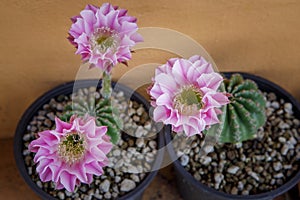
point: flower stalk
(106, 85)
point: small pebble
(116, 152)
(282, 139)
(288, 108)
(218, 177)
(292, 141)
(208, 149)
(117, 179)
(277, 166)
(140, 132)
(284, 149)
(61, 195)
(39, 184)
(132, 169)
(245, 192)
(107, 195)
(240, 185)
(140, 110)
(184, 160)
(135, 178)
(104, 186)
(153, 144)
(139, 142)
(26, 137)
(275, 104)
(127, 185)
(254, 175)
(205, 160)
(279, 175)
(233, 169)
(234, 190)
(68, 194)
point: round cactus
(86, 102)
(246, 111)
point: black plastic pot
(191, 189)
(67, 89)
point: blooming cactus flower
(72, 153)
(184, 94)
(103, 36)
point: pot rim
(266, 86)
(66, 89)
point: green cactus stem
(100, 108)
(245, 113)
(243, 116)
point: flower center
(189, 100)
(72, 147)
(103, 39)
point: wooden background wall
(260, 37)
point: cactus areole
(245, 113)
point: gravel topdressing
(130, 161)
(251, 167)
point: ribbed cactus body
(246, 111)
(100, 108)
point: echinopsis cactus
(86, 102)
(246, 111)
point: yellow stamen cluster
(103, 39)
(72, 147)
(189, 100)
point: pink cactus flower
(72, 153)
(185, 94)
(103, 36)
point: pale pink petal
(212, 80)
(167, 83)
(211, 117)
(121, 27)
(93, 168)
(221, 98)
(66, 172)
(46, 175)
(61, 125)
(160, 113)
(105, 147)
(68, 181)
(164, 100)
(179, 71)
(89, 19)
(178, 74)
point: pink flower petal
(65, 171)
(178, 74)
(89, 20)
(211, 117)
(120, 26)
(212, 80)
(93, 168)
(61, 125)
(179, 71)
(46, 175)
(166, 83)
(68, 181)
(164, 99)
(159, 113)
